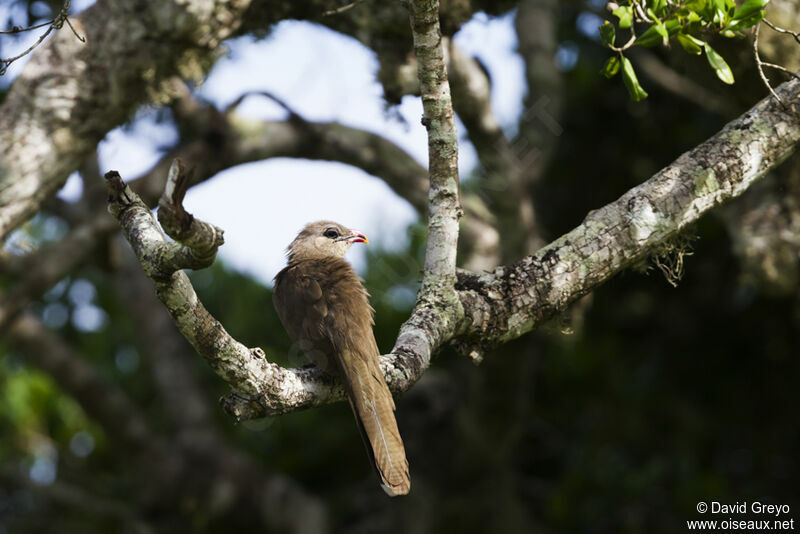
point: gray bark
(71, 93)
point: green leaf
(658, 33)
(650, 37)
(607, 34)
(747, 22)
(695, 40)
(625, 16)
(703, 9)
(631, 82)
(748, 8)
(659, 26)
(689, 45)
(718, 64)
(662, 31)
(611, 67)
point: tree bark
(72, 93)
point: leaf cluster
(691, 24)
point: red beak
(357, 237)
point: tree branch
(367, 151)
(224, 139)
(515, 299)
(437, 294)
(49, 122)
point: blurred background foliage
(619, 417)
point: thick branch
(225, 139)
(444, 206)
(515, 299)
(438, 308)
(49, 122)
(162, 262)
(297, 138)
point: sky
(323, 76)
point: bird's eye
(332, 233)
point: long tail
(373, 407)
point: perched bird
(325, 309)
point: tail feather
(373, 408)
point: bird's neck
(304, 257)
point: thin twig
(626, 45)
(55, 24)
(778, 29)
(782, 69)
(620, 49)
(342, 9)
(760, 64)
(74, 31)
(266, 94)
(4, 63)
(17, 29)
(640, 12)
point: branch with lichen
(515, 299)
(48, 127)
(194, 247)
(438, 309)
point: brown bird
(325, 309)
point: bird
(325, 309)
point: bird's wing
(302, 309)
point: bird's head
(323, 239)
